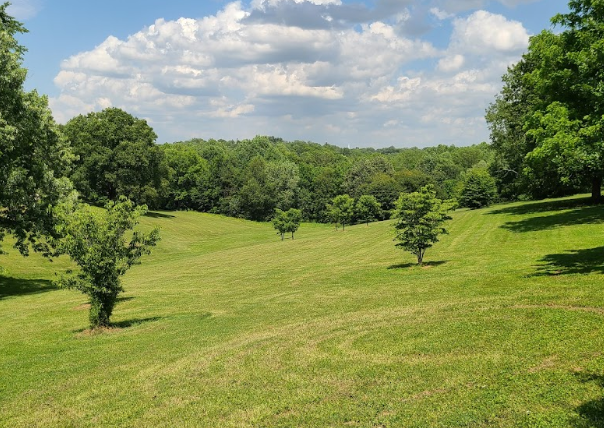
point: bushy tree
(34, 156)
(341, 210)
(478, 189)
(117, 156)
(368, 208)
(96, 240)
(287, 221)
(419, 220)
(549, 118)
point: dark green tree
(117, 156)
(419, 220)
(96, 240)
(554, 95)
(478, 189)
(34, 156)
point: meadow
(225, 325)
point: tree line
(116, 155)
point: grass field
(224, 325)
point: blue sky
(359, 73)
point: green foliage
(96, 241)
(117, 156)
(550, 109)
(368, 208)
(34, 156)
(478, 189)
(419, 220)
(341, 210)
(287, 221)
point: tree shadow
(544, 206)
(410, 265)
(587, 215)
(585, 261)
(133, 322)
(115, 326)
(591, 413)
(18, 287)
(155, 214)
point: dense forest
(117, 155)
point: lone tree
(420, 217)
(368, 208)
(287, 221)
(34, 157)
(341, 210)
(95, 240)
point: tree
(96, 241)
(420, 217)
(294, 218)
(368, 208)
(287, 221)
(117, 156)
(34, 156)
(560, 82)
(341, 210)
(478, 189)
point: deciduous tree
(419, 220)
(34, 156)
(341, 210)
(368, 208)
(96, 240)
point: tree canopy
(547, 124)
(117, 156)
(34, 157)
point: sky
(358, 73)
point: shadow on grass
(115, 326)
(588, 215)
(586, 261)
(133, 322)
(410, 265)
(591, 413)
(544, 206)
(19, 287)
(154, 214)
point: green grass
(225, 325)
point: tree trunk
(101, 307)
(596, 189)
(343, 226)
(420, 257)
(282, 236)
(292, 236)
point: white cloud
(228, 76)
(24, 9)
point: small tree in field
(341, 210)
(368, 208)
(420, 217)
(294, 218)
(287, 221)
(95, 240)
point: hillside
(226, 325)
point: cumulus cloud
(309, 69)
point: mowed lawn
(224, 325)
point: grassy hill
(225, 325)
